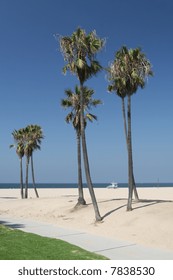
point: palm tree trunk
(81, 200)
(26, 182)
(21, 178)
(126, 136)
(130, 161)
(134, 188)
(85, 157)
(33, 177)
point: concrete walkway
(112, 248)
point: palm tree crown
(19, 144)
(128, 71)
(33, 135)
(73, 101)
(27, 139)
(79, 52)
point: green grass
(18, 245)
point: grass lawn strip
(18, 245)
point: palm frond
(12, 146)
(90, 117)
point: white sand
(150, 223)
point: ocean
(74, 185)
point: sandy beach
(150, 223)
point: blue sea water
(74, 185)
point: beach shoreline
(149, 224)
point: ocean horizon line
(75, 185)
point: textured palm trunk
(33, 176)
(86, 162)
(126, 136)
(130, 161)
(21, 179)
(26, 182)
(81, 200)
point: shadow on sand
(11, 225)
(135, 205)
(8, 197)
(150, 202)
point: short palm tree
(19, 145)
(127, 73)
(27, 152)
(27, 140)
(79, 51)
(73, 101)
(33, 135)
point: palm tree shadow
(148, 202)
(11, 225)
(8, 197)
(110, 212)
(108, 200)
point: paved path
(114, 249)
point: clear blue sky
(32, 85)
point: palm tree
(27, 152)
(113, 88)
(17, 135)
(79, 52)
(33, 136)
(127, 73)
(73, 101)
(27, 140)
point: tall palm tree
(79, 52)
(128, 72)
(73, 102)
(17, 135)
